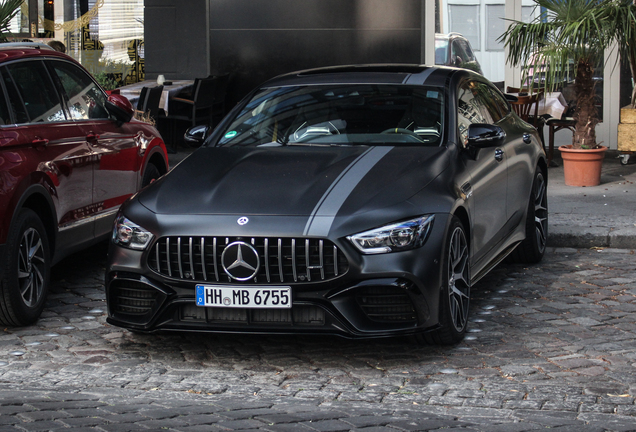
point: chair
(555, 125)
(149, 99)
(195, 111)
(527, 107)
(152, 101)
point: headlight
(128, 234)
(401, 236)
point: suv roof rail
(36, 45)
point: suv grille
(283, 260)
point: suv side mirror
(120, 108)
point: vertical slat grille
(283, 260)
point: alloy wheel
(458, 279)
(541, 211)
(31, 267)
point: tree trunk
(585, 113)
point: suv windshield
(372, 114)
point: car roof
(448, 36)
(18, 50)
(367, 74)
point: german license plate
(243, 297)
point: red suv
(69, 156)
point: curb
(590, 237)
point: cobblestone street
(551, 345)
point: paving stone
(557, 348)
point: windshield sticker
(230, 134)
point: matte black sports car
(361, 201)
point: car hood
(294, 181)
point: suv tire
(26, 271)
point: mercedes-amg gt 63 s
(361, 201)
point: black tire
(454, 299)
(27, 269)
(150, 174)
(531, 250)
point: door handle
(499, 155)
(526, 138)
(39, 142)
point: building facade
(125, 41)
(106, 36)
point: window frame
(5, 70)
(57, 81)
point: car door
(488, 173)
(519, 155)
(116, 167)
(52, 145)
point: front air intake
(132, 298)
(386, 304)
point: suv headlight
(396, 237)
(128, 234)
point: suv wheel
(150, 174)
(26, 272)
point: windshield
(339, 115)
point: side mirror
(485, 135)
(120, 108)
(196, 135)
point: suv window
(5, 117)
(85, 99)
(16, 106)
(36, 89)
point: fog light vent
(132, 298)
(386, 304)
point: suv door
(114, 146)
(48, 144)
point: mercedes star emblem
(240, 261)
(242, 221)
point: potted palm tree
(8, 10)
(570, 37)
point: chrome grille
(283, 260)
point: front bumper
(379, 295)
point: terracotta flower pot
(582, 167)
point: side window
(499, 103)
(471, 108)
(16, 105)
(36, 89)
(485, 94)
(456, 52)
(469, 52)
(85, 99)
(5, 117)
